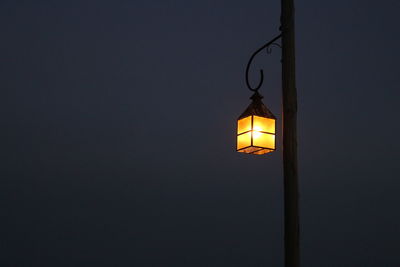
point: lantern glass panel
(244, 125)
(244, 140)
(263, 140)
(263, 124)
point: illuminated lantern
(256, 128)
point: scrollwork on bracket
(267, 46)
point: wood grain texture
(289, 111)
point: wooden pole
(289, 106)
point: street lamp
(256, 129)
(256, 126)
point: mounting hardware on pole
(267, 46)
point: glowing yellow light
(265, 140)
(256, 135)
(263, 124)
(244, 125)
(244, 140)
(256, 128)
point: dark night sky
(118, 134)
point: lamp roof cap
(257, 108)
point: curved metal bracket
(267, 46)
